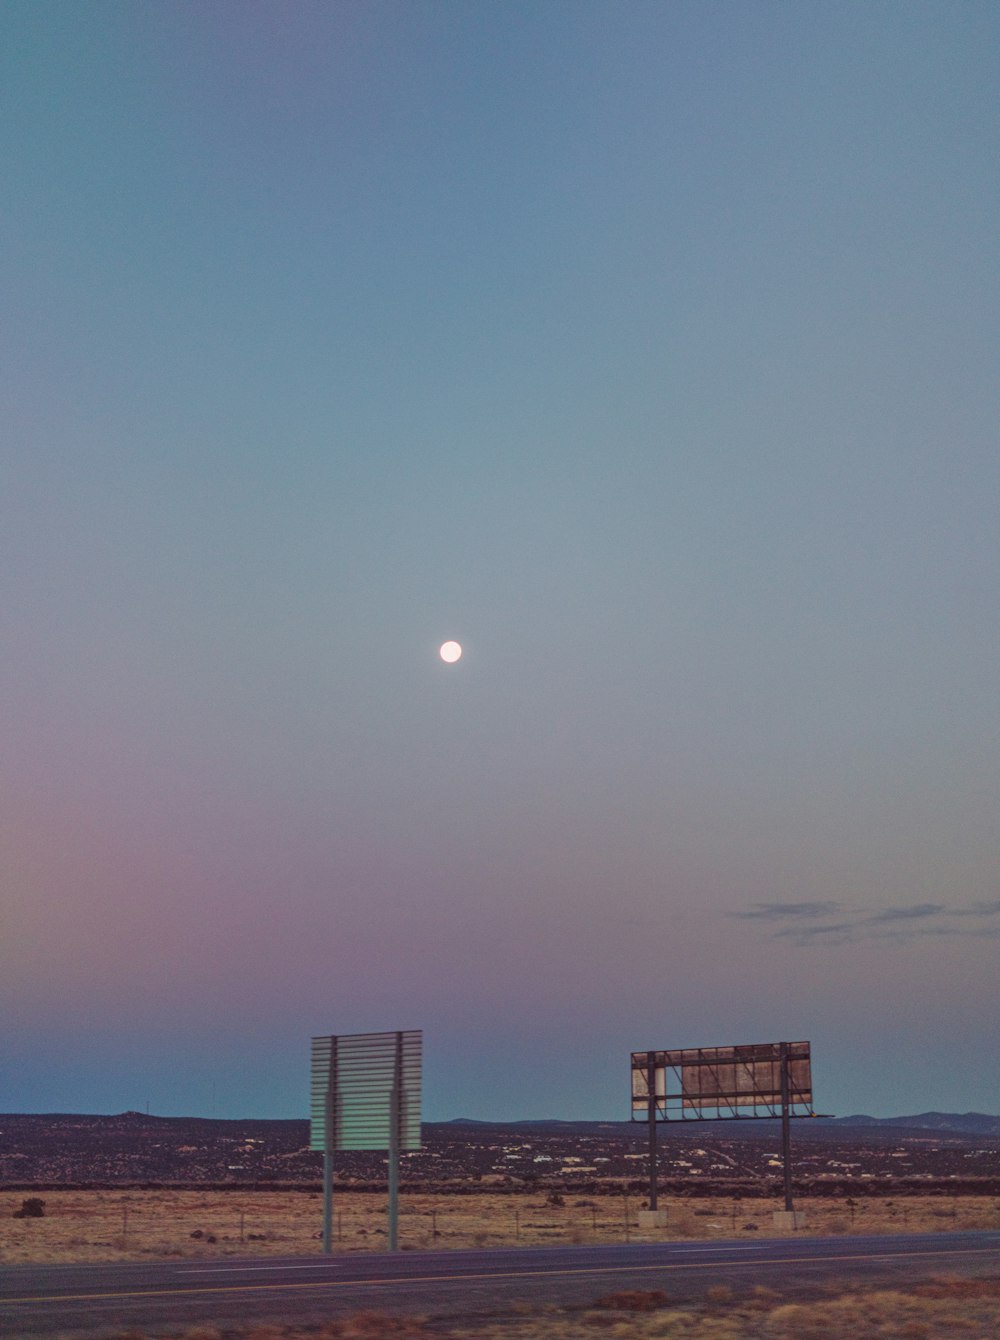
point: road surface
(103, 1299)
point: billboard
(699, 1083)
(358, 1081)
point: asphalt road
(100, 1300)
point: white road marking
(749, 1247)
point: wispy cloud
(838, 932)
(810, 923)
(989, 908)
(779, 911)
(914, 912)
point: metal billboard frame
(755, 1081)
(738, 1083)
(365, 1094)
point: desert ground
(136, 1225)
(939, 1310)
(120, 1225)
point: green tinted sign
(358, 1081)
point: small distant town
(737, 1158)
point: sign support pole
(786, 1126)
(651, 1111)
(395, 1115)
(329, 1144)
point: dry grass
(136, 1225)
(362, 1326)
(940, 1310)
(88, 1226)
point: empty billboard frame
(723, 1083)
(761, 1079)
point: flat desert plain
(119, 1225)
(133, 1225)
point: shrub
(379, 1324)
(719, 1293)
(633, 1300)
(32, 1208)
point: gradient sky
(648, 349)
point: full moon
(450, 652)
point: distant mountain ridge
(964, 1123)
(138, 1149)
(954, 1123)
(945, 1123)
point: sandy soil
(123, 1225)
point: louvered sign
(361, 1082)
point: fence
(92, 1225)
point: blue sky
(650, 350)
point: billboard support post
(786, 1127)
(329, 1144)
(651, 1087)
(395, 1109)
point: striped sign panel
(354, 1076)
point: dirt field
(111, 1225)
(132, 1225)
(939, 1310)
(934, 1311)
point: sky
(649, 350)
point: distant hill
(961, 1123)
(132, 1148)
(956, 1123)
(945, 1123)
